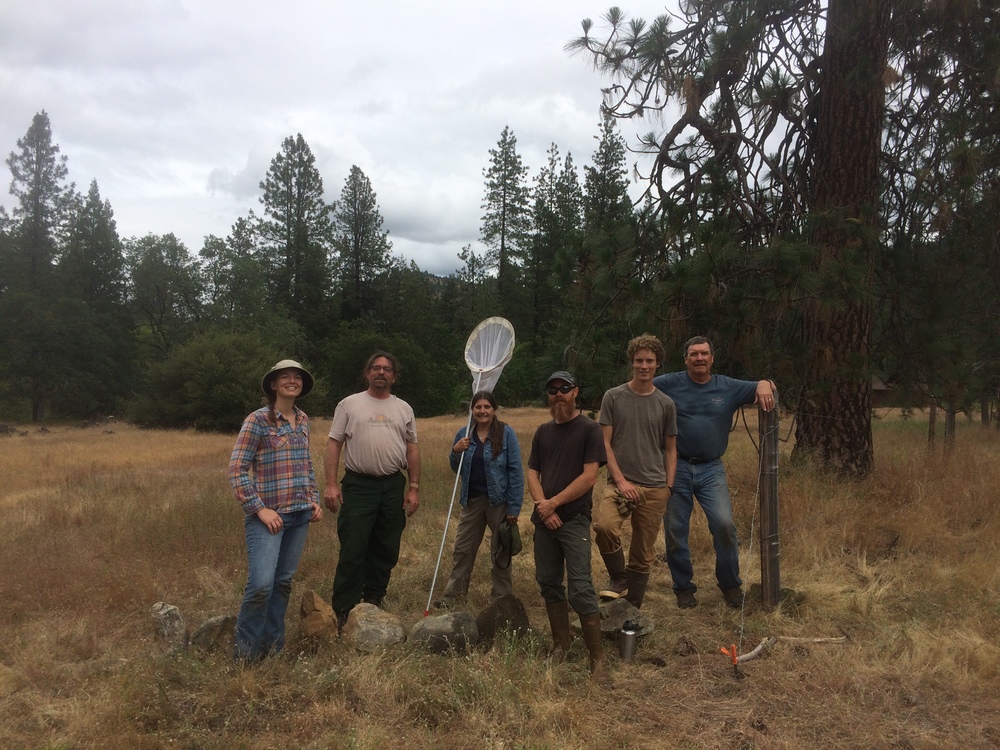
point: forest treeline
(823, 202)
(142, 326)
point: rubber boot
(559, 622)
(615, 563)
(591, 626)
(637, 583)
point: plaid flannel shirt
(271, 466)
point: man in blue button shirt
(705, 407)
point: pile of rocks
(368, 628)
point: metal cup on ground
(627, 639)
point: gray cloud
(176, 107)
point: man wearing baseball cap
(566, 454)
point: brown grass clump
(903, 565)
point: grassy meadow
(905, 567)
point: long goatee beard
(562, 411)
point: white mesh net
(489, 348)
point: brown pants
(645, 520)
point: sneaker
(733, 597)
(686, 599)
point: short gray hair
(698, 340)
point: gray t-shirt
(640, 425)
(375, 432)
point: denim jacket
(504, 476)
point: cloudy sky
(176, 107)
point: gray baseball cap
(561, 375)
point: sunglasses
(552, 390)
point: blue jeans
(271, 562)
(706, 483)
(566, 550)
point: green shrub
(210, 383)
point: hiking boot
(733, 597)
(615, 563)
(686, 599)
(559, 622)
(637, 583)
(591, 627)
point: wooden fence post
(770, 550)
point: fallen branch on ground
(772, 639)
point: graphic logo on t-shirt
(381, 421)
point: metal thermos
(627, 639)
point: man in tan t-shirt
(377, 434)
(640, 435)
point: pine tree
(363, 248)
(236, 278)
(769, 176)
(942, 166)
(555, 243)
(43, 202)
(34, 355)
(507, 222)
(295, 233)
(471, 292)
(601, 298)
(98, 344)
(92, 267)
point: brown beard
(562, 411)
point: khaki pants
(645, 520)
(476, 516)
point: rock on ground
(171, 631)
(455, 632)
(369, 628)
(504, 614)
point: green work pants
(370, 525)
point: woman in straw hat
(272, 475)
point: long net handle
(451, 505)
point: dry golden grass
(101, 526)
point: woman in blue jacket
(492, 491)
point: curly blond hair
(649, 342)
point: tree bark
(949, 425)
(834, 426)
(932, 425)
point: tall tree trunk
(949, 425)
(932, 425)
(38, 408)
(834, 426)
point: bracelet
(415, 485)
